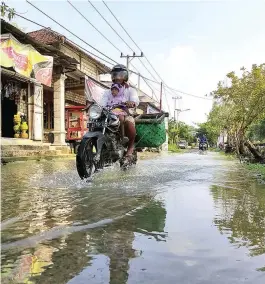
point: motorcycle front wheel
(85, 164)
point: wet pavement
(173, 219)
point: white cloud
(197, 37)
(182, 70)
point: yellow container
(24, 126)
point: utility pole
(175, 100)
(138, 85)
(161, 93)
(178, 112)
(129, 58)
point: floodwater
(172, 219)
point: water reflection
(60, 260)
(46, 235)
(147, 225)
(240, 212)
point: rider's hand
(130, 104)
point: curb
(5, 160)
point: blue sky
(192, 44)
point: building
(70, 65)
(44, 104)
(23, 93)
(73, 81)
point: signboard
(23, 58)
(93, 91)
(43, 71)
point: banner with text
(24, 58)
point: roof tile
(46, 36)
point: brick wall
(72, 98)
(70, 83)
(86, 66)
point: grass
(257, 169)
(229, 156)
(174, 149)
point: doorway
(8, 110)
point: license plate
(96, 124)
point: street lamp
(178, 112)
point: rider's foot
(129, 152)
(127, 160)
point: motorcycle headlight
(95, 112)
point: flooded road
(173, 219)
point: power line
(30, 21)
(103, 34)
(174, 90)
(93, 26)
(191, 95)
(125, 31)
(131, 48)
(146, 82)
(137, 73)
(127, 35)
(40, 25)
(119, 36)
(72, 33)
(121, 25)
(141, 50)
(110, 25)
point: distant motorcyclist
(203, 139)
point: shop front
(23, 72)
(14, 108)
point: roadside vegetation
(174, 148)
(239, 111)
(257, 169)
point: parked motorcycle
(102, 145)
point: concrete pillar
(30, 111)
(38, 112)
(59, 109)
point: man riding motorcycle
(127, 95)
(203, 140)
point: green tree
(209, 130)
(257, 131)
(180, 130)
(238, 106)
(7, 11)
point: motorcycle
(102, 145)
(203, 146)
